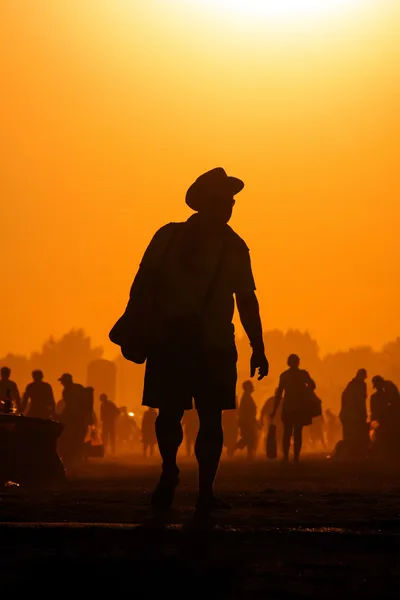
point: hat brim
(196, 194)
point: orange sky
(110, 108)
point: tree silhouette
(72, 353)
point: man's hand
(259, 361)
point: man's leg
(298, 439)
(287, 434)
(169, 437)
(208, 449)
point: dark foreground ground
(320, 530)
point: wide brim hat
(210, 183)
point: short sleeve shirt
(200, 270)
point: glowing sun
(289, 11)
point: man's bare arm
(249, 313)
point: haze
(110, 109)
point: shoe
(163, 495)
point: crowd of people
(293, 416)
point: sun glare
(284, 11)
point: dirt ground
(320, 529)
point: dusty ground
(320, 529)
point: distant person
(265, 421)
(385, 409)
(295, 388)
(60, 406)
(332, 429)
(9, 393)
(39, 395)
(127, 430)
(149, 438)
(248, 424)
(197, 268)
(393, 395)
(76, 416)
(353, 416)
(317, 434)
(379, 402)
(190, 423)
(108, 416)
(230, 427)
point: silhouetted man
(332, 428)
(295, 387)
(353, 415)
(76, 417)
(379, 401)
(127, 429)
(316, 432)
(248, 423)
(190, 424)
(40, 396)
(197, 268)
(385, 408)
(149, 438)
(9, 393)
(108, 416)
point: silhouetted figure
(76, 417)
(265, 422)
(40, 396)
(196, 268)
(332, 429)
(316, 434)
(108, 416)
(296, 388)
(190, 423)
(248, 424)
(230, 427)
(353, 416)
(127, 429)
(149, 438)
(385, 409)
(9, 393)
(379, 402)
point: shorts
(208, 377)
